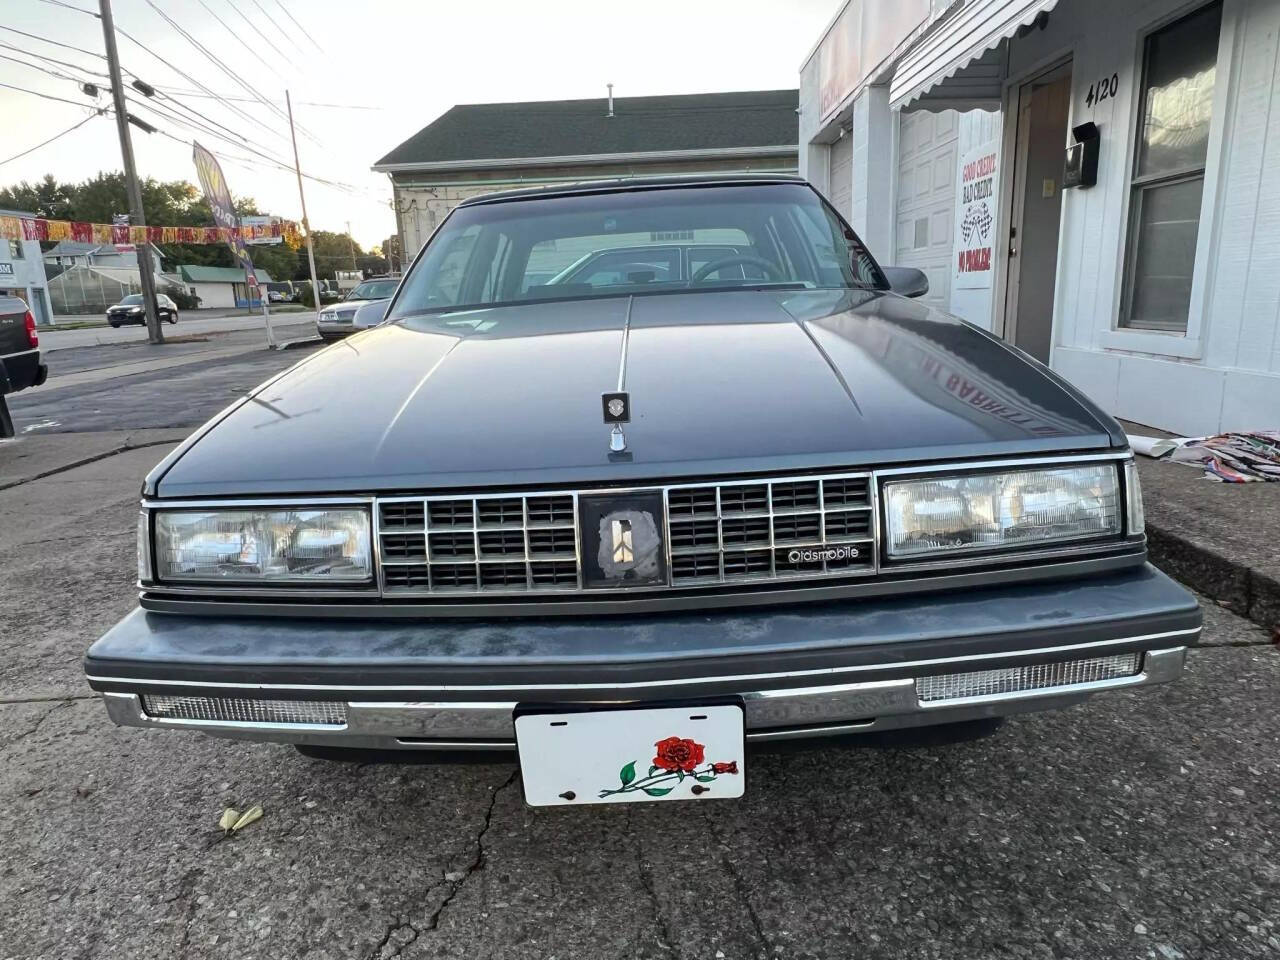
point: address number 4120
(1102, 90)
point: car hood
(720, 382)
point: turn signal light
(32, 337)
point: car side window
(446, 280)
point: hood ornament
(617, 405)
(617, 411)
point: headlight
(263, 545)
(135, 309)
(997, 510)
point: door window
(1178, 76)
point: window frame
(1187, 343)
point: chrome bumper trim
(770, 714)
(606, 688)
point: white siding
(840, 178)
(1225, 373)
(926, 199)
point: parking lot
(1140, 825)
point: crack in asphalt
(739, 884)
(35, 726)
(668, 940)
(186, 887)
(6, 701)
(453, 887)
(114, 452)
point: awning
(958, 62)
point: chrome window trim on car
(780, 586)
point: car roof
(626, 185)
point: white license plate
(627, 756)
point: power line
(69, 6)
(46, 96)
(281, 5)
(190, 79)
(309, 103)
(272, 21)
(57, 43)
(48, 59)
(97, 113)
(268, 42)
(235, 76)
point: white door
(927, 144)
(841, 180)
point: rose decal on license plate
(676, 759)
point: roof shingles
(577, 128)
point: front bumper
(819, 669)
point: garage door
(927, 145)
(841, 194)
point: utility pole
(351, 243)
(136, 216)
(306, 224)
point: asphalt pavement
(189, 322)
(1140, 825)
(138, 386)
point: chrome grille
(1036, 676)
(331, 713)
(500, 543)
(758, 530)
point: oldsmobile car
(627, 528)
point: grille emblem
(622, 542)
(623, 552)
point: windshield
(373, 290)
(133, 300)
(678, 239)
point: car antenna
(617, 405)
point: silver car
(340, 319)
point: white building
(479, 148)
(22, 272)
(941, 130)
(220, 286)
(73, 253)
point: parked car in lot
(131, 310)
(340, 320)
(20, 365)
(627, 529)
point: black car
(20, 365)
(626, 528)
(131, 310)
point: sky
(402, 63)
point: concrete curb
(1242, 589)
(299, 343)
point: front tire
(114, 325)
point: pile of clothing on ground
(1237, 457)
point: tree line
(179, 203)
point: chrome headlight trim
(268, 559)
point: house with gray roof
(483, 147)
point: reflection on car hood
(721, 382)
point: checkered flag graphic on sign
(977, 221)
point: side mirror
(906, 281)
(371, 314)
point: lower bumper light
(328, 713)
(1035, 676)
